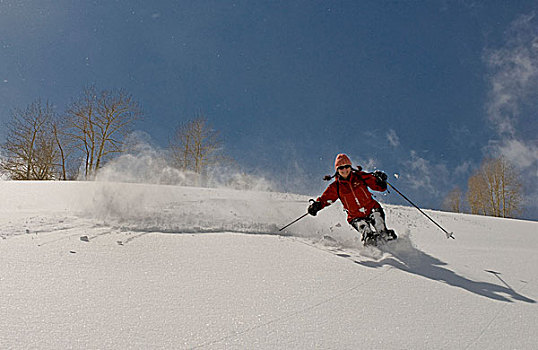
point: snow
(197, 268)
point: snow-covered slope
(115, 265)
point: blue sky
(424, 89)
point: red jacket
(354, 194)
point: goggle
(342, 167)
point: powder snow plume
(139, 190)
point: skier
(351, 187)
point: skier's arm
(329, 196)
(373, 181)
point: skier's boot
(369, 238)
(388, 235)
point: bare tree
(96, 124)
(504, 194)
(495, 189)
(477, 194)
(195, 145)
(67, 166)
(30, 149)
(453, 200)
(61, 149)
(80, 116)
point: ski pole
(293, 222)
(448, 234)
(299, 218)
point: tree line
(494, 189)
(42, 144)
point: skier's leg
(365, 231)
(377, 218)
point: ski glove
(381, 178)
(313, 208)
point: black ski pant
(375, 220)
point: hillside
(117, 265)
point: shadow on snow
(404, 256)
